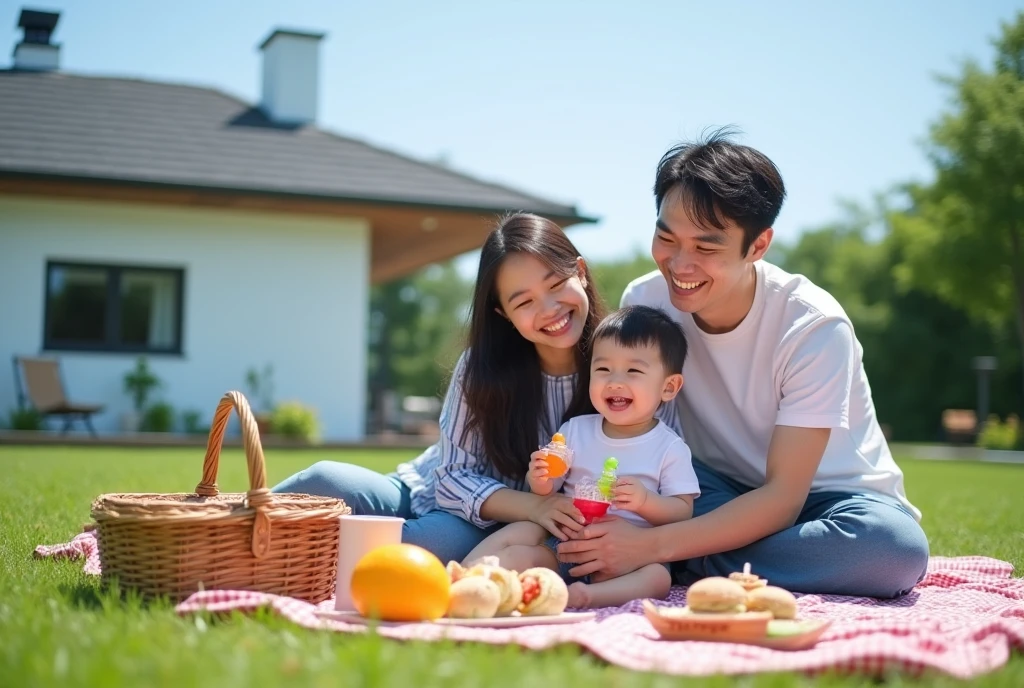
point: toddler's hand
(629, 494)
(537, 474)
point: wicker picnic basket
(175, 544)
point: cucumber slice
(778, 628)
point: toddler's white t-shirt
(659, 458)
(793, 360)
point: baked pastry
(748, 580)
(509, 586)
(780, 602)
(544, 592)
(716, 595)
(455, 571)
(473, 597)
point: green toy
(607, 479)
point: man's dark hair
(636, 326)
(716, 178)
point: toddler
(638, 356)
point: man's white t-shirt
(659, 458)
(793, 360)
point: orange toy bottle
(558, 456)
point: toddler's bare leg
(514, 534)
(521, 557)
(652, 580)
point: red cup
(590, 509)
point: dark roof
(58, 125)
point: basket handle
(258, 497)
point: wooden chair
(960, 426)
(44, 390)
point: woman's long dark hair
(503, 387)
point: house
(209, 234)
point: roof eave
(567, 215)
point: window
(113, 308)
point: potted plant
(138, 384)
(260, 392)
(158, 418)
(25, 419)
(296, 421)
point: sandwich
(716, 595)
(780, 602)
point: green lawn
(56, 627)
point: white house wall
(259, 288)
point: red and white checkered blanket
(963, 619)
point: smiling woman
(546, 304)
(532, 283)
(525, 371)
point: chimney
(35, 51)
(291, 76)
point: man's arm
(617, 547)
(793, 458)
(815, 398)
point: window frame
(111, 344)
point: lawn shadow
(100, 596)
(81, 596)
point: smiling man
(796, 477)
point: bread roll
(508, 585)
(473, 597)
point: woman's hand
(610, 546)
(557, 514)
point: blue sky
(577, 100)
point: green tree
(612, 277)
(416, 327)
(917, 348)
(963, 238)
(841, 258)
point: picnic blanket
(963, 619)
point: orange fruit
(400, 583)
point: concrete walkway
(946, 452)
(932, 452)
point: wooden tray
(750, 628)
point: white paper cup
(357, 536)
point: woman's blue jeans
(370, 493)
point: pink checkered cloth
(83, 545)
(963, 619)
